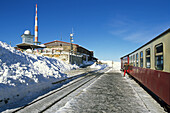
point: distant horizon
(110, 28)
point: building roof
(159, 36)
(59, 41)
(65, 43)
(28, 46)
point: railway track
(47, 101)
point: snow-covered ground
(115, 65)
(98, 66)
(23, 74)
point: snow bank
(115, 65)
(88, 62)
(98, 66)
(23, 74)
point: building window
(148, 61)
(141, 59)
(137, 60)
(159, 56)
(133, 60)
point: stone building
(62, 50)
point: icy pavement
(148, 101)
(111, 93)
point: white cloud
(135, 31)
(118, 32)
(138, 37)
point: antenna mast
(36, 27)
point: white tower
(36, 27)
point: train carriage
(150, 65)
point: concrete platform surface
(112, 93)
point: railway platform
(112, 93)
(105, 91)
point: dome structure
(27, 32)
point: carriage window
(159, 57)
(137, 60)
(129, 60)
(148, 61)
(141, 59)
(133, 60)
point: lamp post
(71, 46)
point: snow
(115, 65)
(98, 66)
(88, 62)
(23, 74)
(144, 101)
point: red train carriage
(150, 65)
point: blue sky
(111, 28)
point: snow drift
(115, 65)
(98, 66)
(23, 74)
